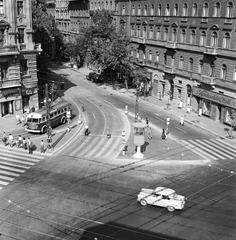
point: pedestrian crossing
(14, 163)
(213, 149)
(95, 147)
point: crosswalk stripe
(103, 149)
(231, 148)
(96, 147)
(81, 145)
(4, 183)
(195, 143)
(25, 158)
(13, 165)
(207, 144)
(12, 169)
(9, 173)
(17, 161)
(91, 145)
(197, 150)
(113, 147)
(7, 178)
(226, 143)
(19, 152)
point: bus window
(44, 119)
(40, 120)
(34, 120)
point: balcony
(9, 83)
(207, 80)
(9, 50)
(210, 51)
(191, 47)
(166, 19)
(170, 70)
(226, 84)
(156, 42)
(172, 45)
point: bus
(36, 122)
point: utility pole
(137, 105)
(49, 129)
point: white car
(162, 197)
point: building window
(190, 67)
(159, 10)
(145, 10)
(164, 59)
(217, 10)
(144, 32)
(193, 37)
(133, 10)
(214, 39)
(123, 10)
(226, 41)
(4, 70)
(139, 10)
(132, 31)
(150, 55)
(138, 54)
(1, 6)
(158, 33)
(205, 10)
(176, 10)
(151, 35)
(203, 38)
(144, 55)
(165, 34)
(138, 31)
(152, 10)
(194, 12)
(20, 35)
(174, 35)
(20, 7)
(181, 62)
(211, 69)
(157, 57)
(200, 66)
(167, 13)
(183, 36)
(2, 37)
(235, 74)
(229, 9)
(24, 67)
(223, 71)
(173, 61)
(185, 10)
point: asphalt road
(78, 197)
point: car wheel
(143, 202)
(170, 209)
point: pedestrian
(163, 134)
(10, 139)
(108, 134)
(147, 122)
(181, 121)
(4, 139)
(17, 119)
(123, 136)
(180, 105)
(23, 120)
(200, 112)
(188, 109)
(86, 132)
(24, 143)
(42, 146)
(19, 142)
(28, 142)
(30, 146)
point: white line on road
(93, 116)
(159, 119)
(181, 130)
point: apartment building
(18, 72)
(189, 47)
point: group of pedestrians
(20, 119)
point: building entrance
(7, 108)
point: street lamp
(47, 102)
(137, 103)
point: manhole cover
(195, 121)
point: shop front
(30, 99)
(214, 105)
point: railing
(170, 69)
(207, 80)
(170, 44)
(9, 83)
(210, 50)
(9, 48)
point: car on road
(162, 197)
(94, 77)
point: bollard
(126, 109)
(79, 121)
(123, 152)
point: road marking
(9, 173)
(4, 183)
(159, 119)
(88, 146)
(104, 148)
(93, 115)
(181, 130)
(12, 169)
(99, 145)
(113, 147)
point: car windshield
(33, 120)
(173, 196)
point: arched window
(159, 10)
(176, 10)
(185, 10)
(193, 37)
(166, 34)
(139, 10)
(229, 9)
(133, 10)
(150, 55)
(132, 31)
(145, 10)
(173, 61)
(211, 69)
(144, 55)
(157, 57)
(235, 73)
(152, 10)
(226, 41)
(167, 12)
(203, 38)
(181, 62)
(174, 35)
(190, 67)
(205, 9)
(158, 33)
(138, 55)
(123, 10)
(151, 35)
(183, 36)
(138, 31)
(223, 71)
(200, 66)
(164, 59)
(144, 32)
(217, 10)
(194, 10)
(214, 39)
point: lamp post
(137, 103)
(47, 102)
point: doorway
(7, 108)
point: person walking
(181, 121)
(24, 143)
(4, 139)
(30, 146)
(86, 132)
(200, 112)
(23, 120)
(10, 139)
(17, 119)
(42, 147)
(19, 143)
(163, 134)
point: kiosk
(139, 138)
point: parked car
(162, 197)
(94, 77)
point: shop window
(206, 107)
(24, 67)
(1, 6)
(21, 35)
(217, 10)
(4, 70)
(20, 8)
(194, 10)
(223, 71)
(176, 10)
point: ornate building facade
(189, 47)
(18, 72)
